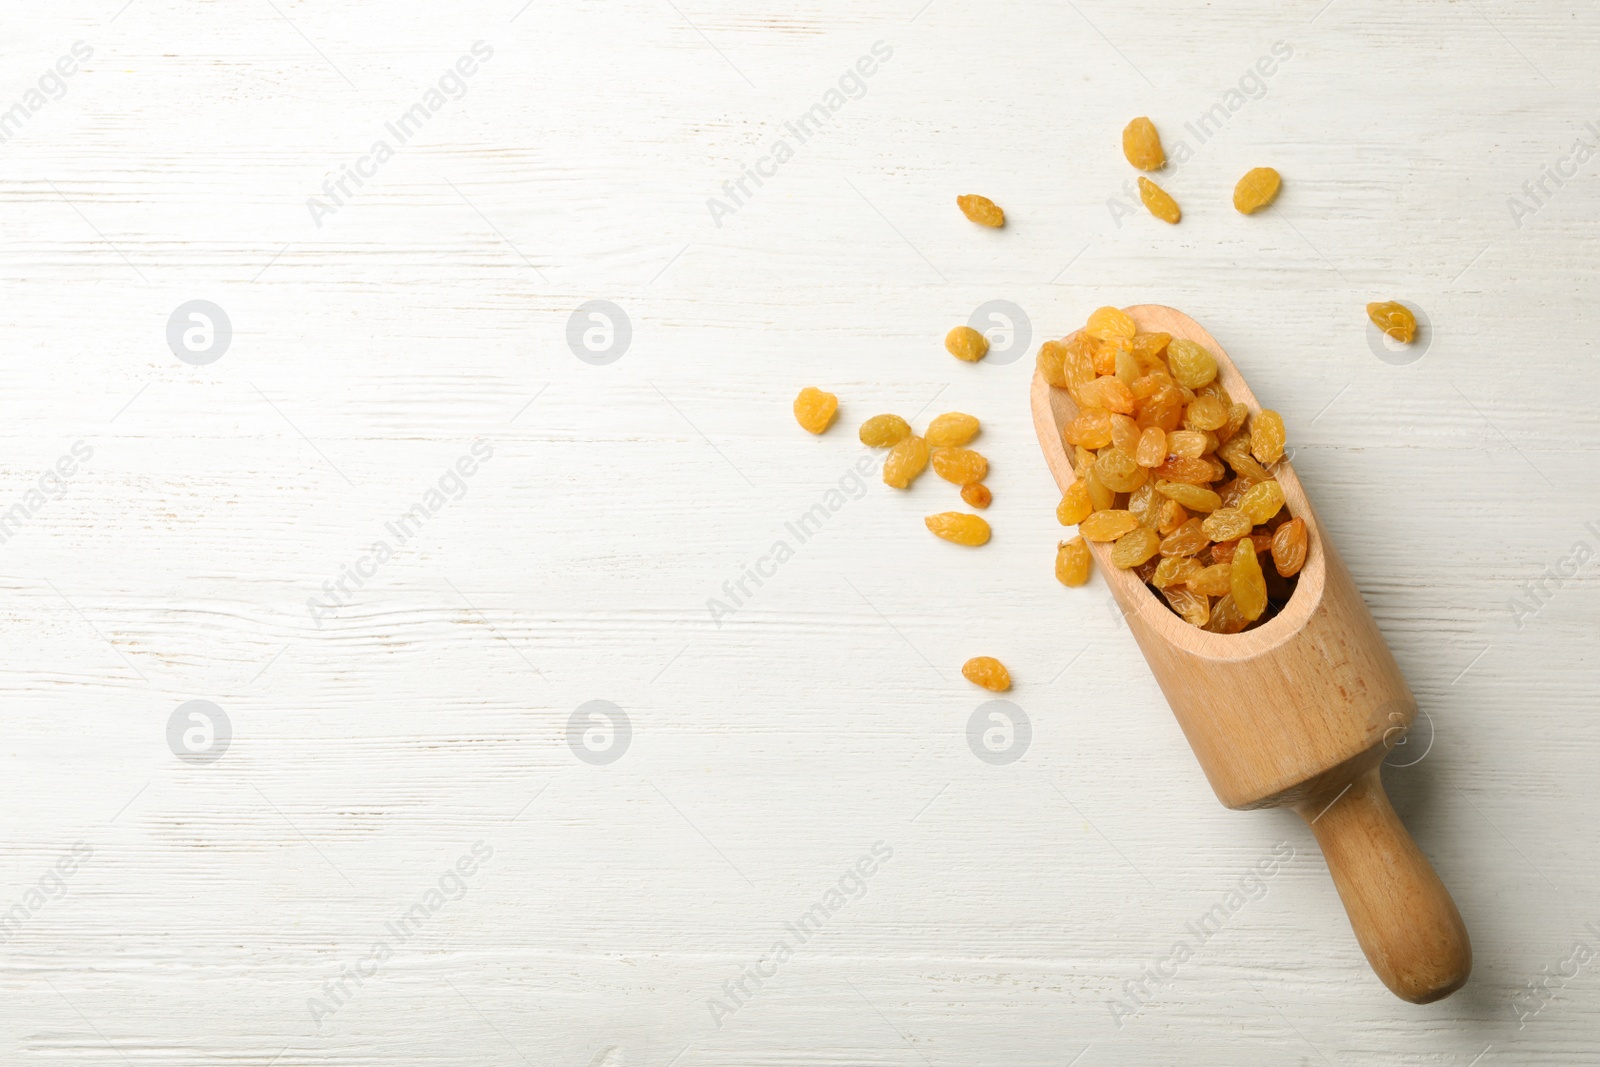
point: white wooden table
(380, 844)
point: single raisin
(1289, 547)
(977, 495)
(814, 409)
(1195, 608)
(1108, 322)
(1050, 363)
(1256, 190)
(966, 344)
(982, 210)
(1193, 497)
(1262, 501)
(1108, 525)
(884, 431)
(960, 466)
(1226, 524)
(906, 460)
(1247, 584)
(1152, 448)
(1134, 547)
(1213, 580)
(1072, 562)
(1192, 365)
(1118, 472)
(988, 672)
(951, 430)
(1205, 413)
(1142, 145)
(959, 527)
(1267, 437)
(1106, 392)
(1091, 428)
(1187, 540)
(1075, 504)
(1174, 570)
(1394, 319)
(1159, 201)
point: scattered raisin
(977, 495)
(951, 430)
(987, 672)
(1256, 190)
(1159, 201)
(884, 431)
(1142, 145)
(981, 209)
(966, 344)
(814, 409)
(1394, 319)
(960, 466)
(960, 528)
(1072, 562)
(907, 459)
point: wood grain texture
(827, 712)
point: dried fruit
(1262, 501)
(951, 430)
(1394, 319)
(1124, 433)
(1226, 524)
(1192, 365)
(1246, 582)
(1187, 540)
(1145, 504)
(1256, 190)
(884, 431)
(977, 495)
(906, 460)
(1267, 437)
(1103, 498)
(1142, 145)
(1106, 392)
(1205, 413)
(1170, 516)
(959, 527)
(1134, 547)
(1195, 608)
(1148, 347)
(1152, 448)
(1193, 497)
(1050, 363)
(1225, 617)
(981, 209)
(1289, 547)
(814, 409)
(1107, 525)
(1091, 428)
(1072, 562)
(1108, 322)
(1118, 472)
(1237, 452)
(960, 466)
(1075, 504)
(987, 672)
(1159, 201)
(1213, 580)
(966, 344)
(1174, 570)
(1190, 444)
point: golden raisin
(1118, 472)
(966, 344)
(907, 459)
(1289, 547)
(1262, 501)
(1159, 201)
(1134, 547)
(1152, 448)
(1171, 516)
(1091, 428)
(1145, 504)
(1246, 582)
(814, 409)
(959, 527)
(884, 431)
(1107, 525)
(951, 430)
(1213, 580)
(1256, 190)
(981, 209)
(1174, 570)
(1100, 494)
(1187, 540)
(1142, 145)
(1193, 470)
(1394, 319)
(1237, 452)
(987, 672)
(1124, 433)
(1072, 562)
(960, 466)
(1205, 413)
(1193, 497)
(1105, 392)
(977, 495)
(1225, 617)
(1075, 504)
(1050, 363)
(1148, 347)
(1267, 437)
(1195, 608)
(1190, 444)
(1108, 322)
(1226, 524)
(1192, 365)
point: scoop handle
(1402, 914)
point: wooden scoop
(1298, 711)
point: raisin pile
(1174, 474)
